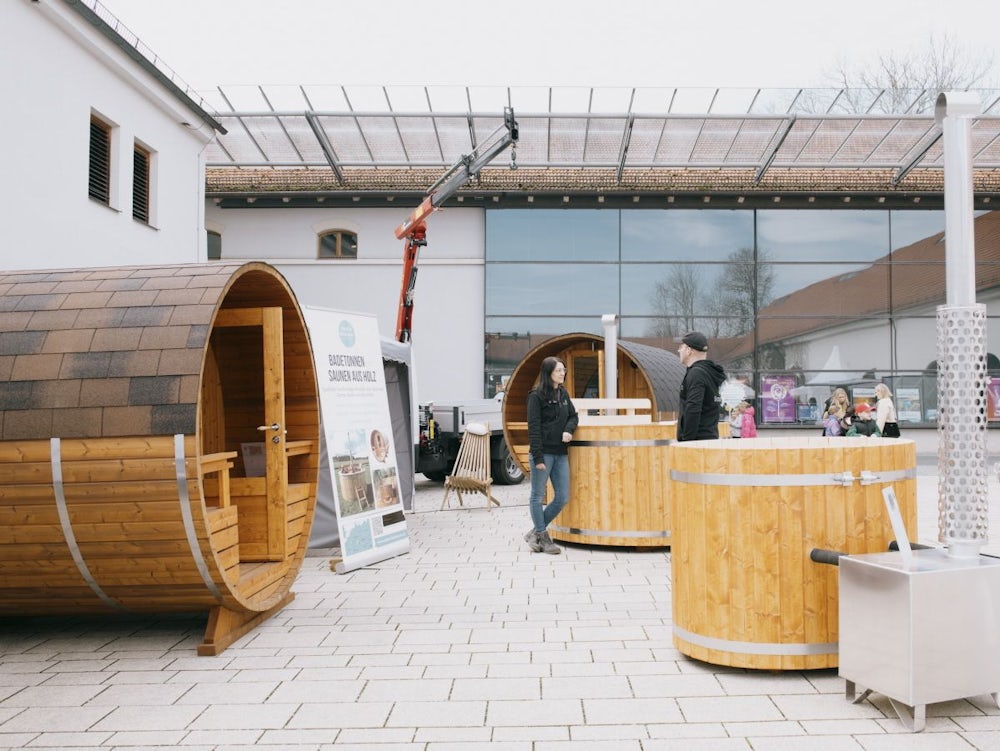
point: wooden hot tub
(746, 515)
(618, 463)
(131, 397)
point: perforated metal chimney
(963, 502)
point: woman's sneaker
(546, 545)
(531, 537)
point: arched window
(338, 243)
(214, 246)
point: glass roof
(569, 127)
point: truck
(441, 428)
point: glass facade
(794, 302)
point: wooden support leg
(226, 626)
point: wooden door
(261, 501)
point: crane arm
(414, 229)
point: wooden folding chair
(472, 466)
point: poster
(777, 403)
(361, 457)
(908, 405)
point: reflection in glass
(551, 288)
(552, 235)
(908, 227)
(823, 235)
(685, 234)
(826, 289)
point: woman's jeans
(556, 470)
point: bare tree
(745, 285)
(909, 81)
(677, 299)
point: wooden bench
(613, 411)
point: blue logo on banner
(347, 333)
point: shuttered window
(100, 161)
(140, 184)
(338, 243)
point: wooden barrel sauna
(159, 443)
(746, 516)
(617, 466)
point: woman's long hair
(544, 385)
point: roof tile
(86, 365)
(62, 393)
(36, 367)
(154, 390)
(68, 340)
(104, 392)
(76, 423)
(116, 421)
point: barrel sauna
(748, 513)
(617, 467)
(130, 397)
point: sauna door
(248, 347)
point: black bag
(890, 430)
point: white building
(106, 147)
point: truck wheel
(506, 470)
(435, 476)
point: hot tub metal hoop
(843, 479)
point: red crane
(414, 229)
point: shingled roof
(105, 352)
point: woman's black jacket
(548, 419)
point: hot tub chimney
(963, 503)
(610, 323)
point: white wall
(448, 326)
(57, 69)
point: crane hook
(513, 158)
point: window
(214, 246)
(338, 243)
(141, 161)
(100, 161)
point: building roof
(121, 36)
(364, 141)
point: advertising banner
(777, 403)
(908, 405)
(361, 457)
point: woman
(551, 421)
(885, 412)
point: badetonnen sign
(357, 426)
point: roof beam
(904, 170)
(623, 152)
(769, 157)
(325, 146)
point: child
(748, 429)
(735, 421)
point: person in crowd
(885, 412)
(552, 419)
(840, 398)
(700, 401)
(736, 421)
(831, 420)
(749, 427)
(862, 422)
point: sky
(661, 43)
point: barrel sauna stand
(130, 395)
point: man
(700, 400)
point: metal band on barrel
(740, 480)
(185, 499)
(55, 453)
(606, 533)
(640, 443)
(756, 648)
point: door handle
(273, 426)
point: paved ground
(468, 642)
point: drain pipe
(610, 323)
(963, 503)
